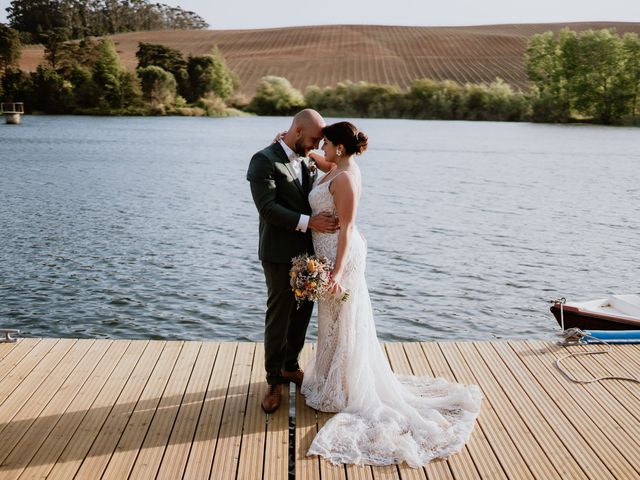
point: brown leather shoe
(272, 399)
(296, 376)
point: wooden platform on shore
(152, 409)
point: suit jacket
(280, 199)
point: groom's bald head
(305, 132)
(307, 118)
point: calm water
(145, 228)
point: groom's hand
(324, 223)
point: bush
(276, 96)
(497, 102)
(214, 106)
(435, 100)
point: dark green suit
(280, 199)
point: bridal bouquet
(310, 278)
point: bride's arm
(321, 163)
(344, 196)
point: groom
(280, 183)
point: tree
(169, 59)
(16, 85)
(631, 59)
(158, 86)
(276, 96)
(97, 17)
(9, 47)
(117, 87)
(53, 41)
(545, 62)
(70, 55)
(51, 92)
(592, 75)
(86, 93)
(598, 83)
(36, 16)
(209, 74)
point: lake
(145, 228)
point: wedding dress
(383, 418)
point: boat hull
(576, 318)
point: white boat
(617, 312)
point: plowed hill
(326, 55)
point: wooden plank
(517, 429)
(307, 467)
(359, 472)
(605, 410)
(448, 363)
(32, 382)
(130, 367)
(400, 365)
(440, 469)
(177, 452)
(536, 410)
(478, 447)
(538, 359)
(616, 364)
(276, 465)
(35, 420)
(44, 459)
(124, 431)
(534, 383)
(19, 363)
(206, 436)
(5, 349)
(14, 353)
(77, 408)
(252, 456)
(136, 403)
(227, 452)
(155, 442)
(622, 361)
(329, 471)
(387, 472)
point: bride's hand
(279, 136)
(334, 287)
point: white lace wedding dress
(384, 418)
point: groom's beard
(299, 149)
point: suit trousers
(285, 324)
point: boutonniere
(312, 167)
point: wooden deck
(149, 409)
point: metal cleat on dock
(8, 332)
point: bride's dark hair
(348, 135)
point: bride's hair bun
(362, 142)
(347, 134)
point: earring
(339, 153)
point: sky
(249, 14)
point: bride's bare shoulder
(343, 182)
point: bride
(382, 418)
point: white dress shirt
(296, 163)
